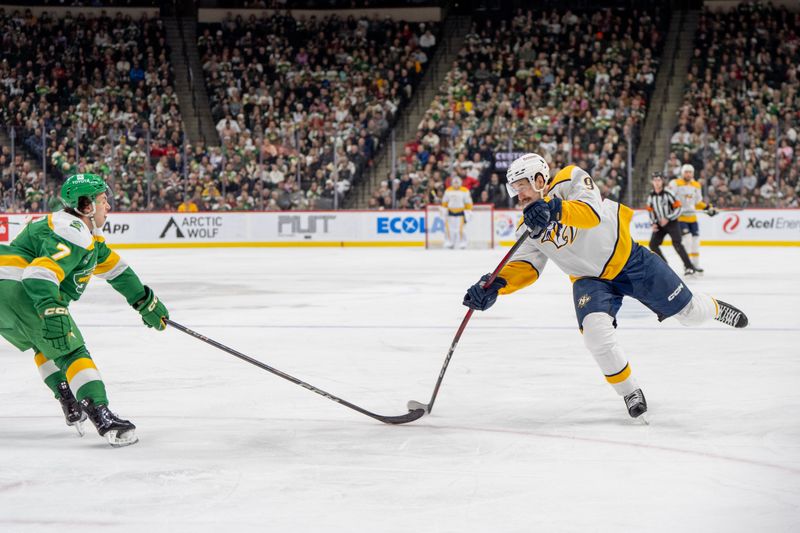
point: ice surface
(525, 435)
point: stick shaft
(465, 321)
(387, 419)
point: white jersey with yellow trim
(591, 240)
(690, 195)
(456, 200)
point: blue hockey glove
(540, 213)
(480, 298)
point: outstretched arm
(114, 269)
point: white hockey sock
(601, 340)
(694, 251)
(700, 309)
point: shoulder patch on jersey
(71, 229)
(695, 183)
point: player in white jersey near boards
(589, 239)
(689, 193)
(457, 204)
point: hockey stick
(402, 419)
(414, 405)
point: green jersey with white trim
(55, 257)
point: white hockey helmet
(455, 182)
(527, 167)
(687, 168)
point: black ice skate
(117, 431)
(699, 271)
(689, 272)
(73, 413)
(730, 315)
(636, 403)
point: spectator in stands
(573, 86)
(738, 123)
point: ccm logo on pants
(675, 293)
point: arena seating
(91, 93)
(570, 85)
(740, 117)
(309, 101)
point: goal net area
(478, 227)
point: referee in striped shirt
(664, 210)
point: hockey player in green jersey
(47, 266)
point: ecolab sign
(407, 224)
(3, 229)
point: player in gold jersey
(589, 239)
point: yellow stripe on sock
(620, 376)
(40, 359)
(79, 364)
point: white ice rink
(525, 436)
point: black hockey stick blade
(413, 414)
(401, 419)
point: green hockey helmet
(78, 185)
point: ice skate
(117, 431)
(689, 272)
(73, 413)
(636, 404)
(730, 315)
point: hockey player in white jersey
(589, 239)
(689, 193)
(457, 204)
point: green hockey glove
(152, 310)
(56, 327)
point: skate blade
(120, 440)
(79, 428)
(79, 425)
(643, 420)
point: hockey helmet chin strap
(91, 214)
(544, 185)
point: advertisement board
(765, 227)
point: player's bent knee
(598, 332)
(700, 309)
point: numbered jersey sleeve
(57, 259)
(580, 206)
(112, 268)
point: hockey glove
(56, 327)
(711, 210)
(152, 310)
(540, 213)
(480, 298)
